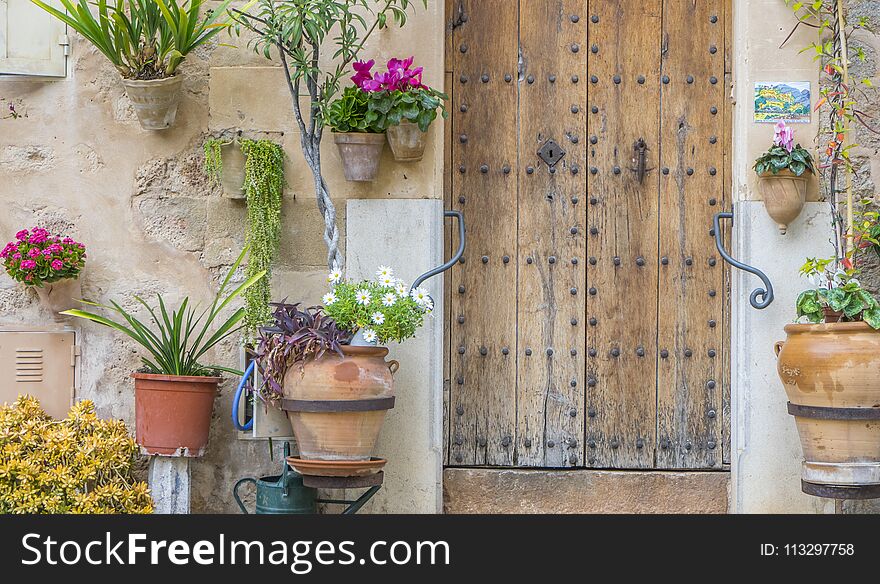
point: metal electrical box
(40, 363)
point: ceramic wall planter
(407, 142)
(59, 296)
(232, 175)
(155, 102)
(361, 154)
(831, 374)
(784, 196)
(173, 413)
(337, 405)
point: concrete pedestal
(170, 482)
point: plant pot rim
(358, 137)
(830, 327)
(367, 351)
(177, 378)
(786, 173)
(174, 79)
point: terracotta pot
(60, 295)
(407, 142)
(360, 153)
(784, 196)
(337, 405)
(831, 374)
(155, 102)
(173, 413)
(232, 176)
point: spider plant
(177, 341)
(144, 39)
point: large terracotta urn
(337, 405)
(173, 413)
(784, 196)
(831, 374)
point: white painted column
(766, 457)
(407, 234)
(170, 483)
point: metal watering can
(282, 494)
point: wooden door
(587, 148)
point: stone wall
(75, 160)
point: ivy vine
(263, 187)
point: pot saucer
(336, 468)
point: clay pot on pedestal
(831, 374)
(155, 101)
(232, 175)
(407, 141)
(173, 413)
(59, 296)
(360, 153)
(337, 405)
(784, 196)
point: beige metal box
(41, 363)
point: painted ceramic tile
(787, 101)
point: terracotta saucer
(336, 468)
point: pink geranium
(47, 258)
(57, 265)
(28, 264)
(22, 235)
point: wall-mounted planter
(59, 296)
(407, 142)
(155, 102)
(232, 176)
(360, 153)
(173, 413)
(784, 196)
(831, 374)
(337, 405)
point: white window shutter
(32, 41)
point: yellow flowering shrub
(78, 465)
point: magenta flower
(22, 235)
(783, 136)
(17, 256)
(57, 265)
(47, 253)
(28, 264)
(10, 248)
(34, 252)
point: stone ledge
(480, 490)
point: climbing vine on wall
(264, 188)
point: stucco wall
(77, 161)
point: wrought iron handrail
(461, 240)
(761, 297)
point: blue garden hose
(237, 399)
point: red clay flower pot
(173, 413)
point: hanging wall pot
(361, 153)
(155, 101)
(232, 175)
(784, 196)
(407, 141)
(829, 372)
(59, 296)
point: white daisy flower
(389, 299)
(369, 335)
(363, 297)
(378, 318)
(335, 276)
(329, 298)
(400, 288)
(386, 280)
(384, 272)
(428, 306)
(420, 295)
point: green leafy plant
(264, 191)
(418, 106)
(213, 165)
(837, 295)
(144, 39)
(297, 32)
(349, 113)
(81, 464)
(177, 341)
(383, 309)
(784, 155)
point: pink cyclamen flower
(22, 235)
(783, 136)
(57, 265)
(28, 264)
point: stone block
(169, 479)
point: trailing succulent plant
(213, 165)
(297, 336)
(78, 465)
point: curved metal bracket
(761, 297)
(461, 241)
